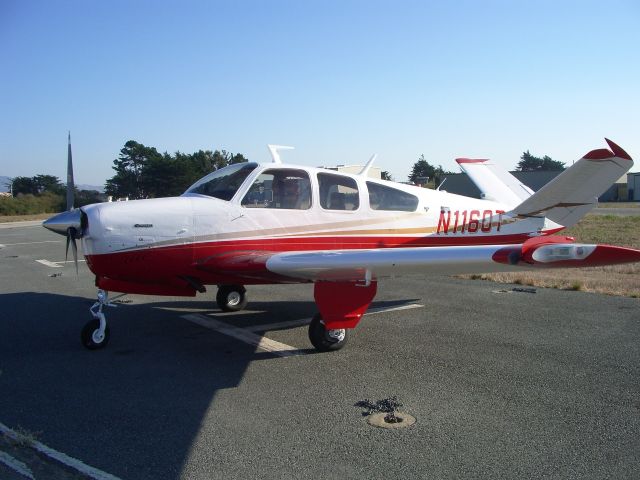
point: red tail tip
(619, 152)
(599, 154)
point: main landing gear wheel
(91, 336)
(231, 298)
(326, 340)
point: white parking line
(60, 457)
(306, 321)
(55, 264)
(244, 335)
(377, 310)
(16, 465)
(48, 263)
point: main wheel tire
(231, 298)
(90, 338)
(326, 340)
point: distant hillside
(82, 186)
(4, 185)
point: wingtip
(617, 150)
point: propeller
(71, 239)
(71, 231)
(69, 223)
(70, 184)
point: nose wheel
(93, 337)
(231, 298)
(325, 340)
(95, 333)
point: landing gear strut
(95, 333)
(326, 340)
(231, 298)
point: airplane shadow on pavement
(140, 400)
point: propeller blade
(66, 250)
(74, 250)
(70, 184)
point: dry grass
(23, 437)
(622, 280)
(619, 205)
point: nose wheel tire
(326, 340)
(91, 336)
(231, 298)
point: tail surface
(573, 193)
(495, 182)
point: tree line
(143, 172)
(423, 173)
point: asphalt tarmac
(502, 384)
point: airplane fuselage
(173, 245)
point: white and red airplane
(262, 223)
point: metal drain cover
(380, 420)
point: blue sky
(338, 80)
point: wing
(364, 265)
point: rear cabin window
(280, 188)
(382, 197)
(338, 192)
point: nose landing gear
(95, 333)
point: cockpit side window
(338, 192)
(280, 188)
(382, 197)
(223, 183)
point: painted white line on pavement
(306, 321)
(48, 263)
(16, 465)
(301, 322)
(74, 463)
(55, 264)
(244, 335)
(375, 311)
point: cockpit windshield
(223, 183)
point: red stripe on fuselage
(153, 264)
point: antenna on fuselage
(274, 150)
(365, 170)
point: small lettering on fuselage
(469, 221)
(143, 225)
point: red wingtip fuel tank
(561, 252)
